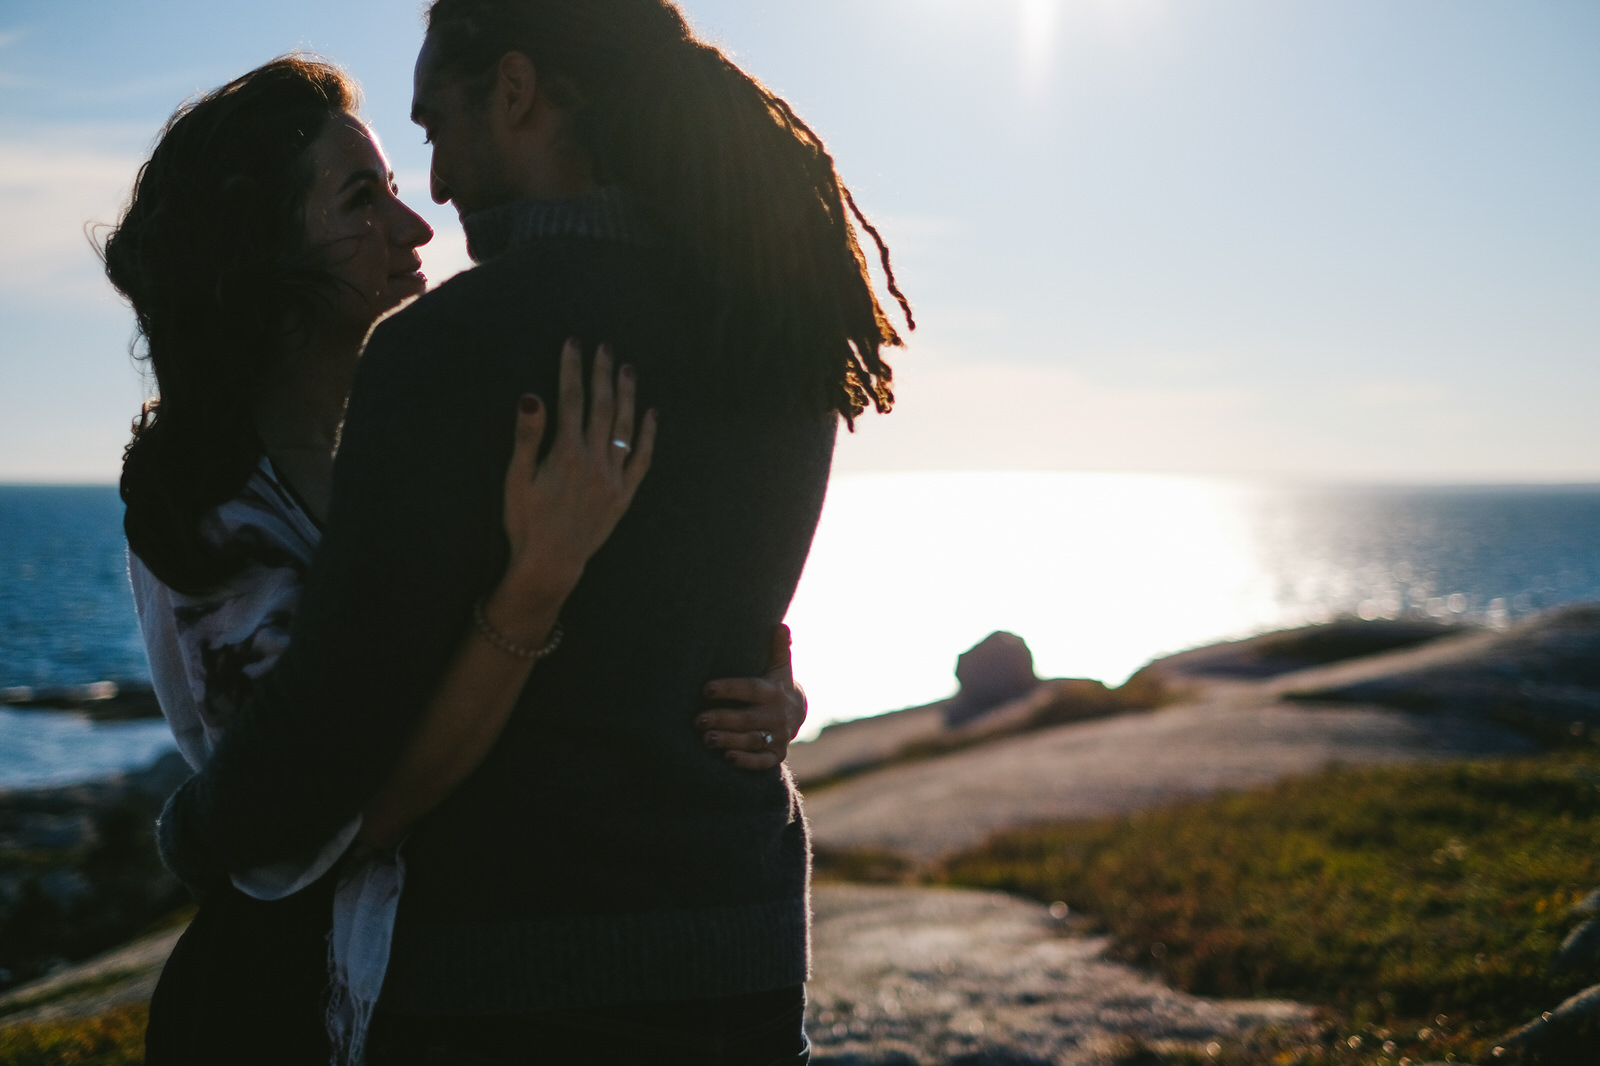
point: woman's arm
(557, 514)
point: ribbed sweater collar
(606, 214)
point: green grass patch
(115, 1038)
(862, 866)
(1396, 896)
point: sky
(1354, 240)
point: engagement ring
(621, 444)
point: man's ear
(517, 89)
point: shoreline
(101, 701)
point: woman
(263, 239)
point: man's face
(467, 169)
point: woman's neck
(298, 415)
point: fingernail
(710, 739)
(529, 404)
(730, 757)
(703, 721)
(711, 691)
(628, 375)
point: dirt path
(126, 975)
(917, 976)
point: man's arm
(412, 538)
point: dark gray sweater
(600, 854)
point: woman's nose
(414, 229)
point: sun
(1047, 27)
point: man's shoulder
(558, 285)
(527, 299)
(541, 274)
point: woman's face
(355, 223)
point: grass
(115, 1038)
(1422, 905)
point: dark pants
(764, 1029)
(246, 984)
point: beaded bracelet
(510, 647)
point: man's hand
(757, 737)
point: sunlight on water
(1101, 573)
(1096, 572)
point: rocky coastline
(78, 869)
(102, 701)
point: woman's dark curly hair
(744, 190)
(211, 252)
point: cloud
(7, 79)
(1396, 394)
(1017, 416)
(51, 186)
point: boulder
(997, 670)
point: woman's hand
(757, 737)
(560, 511)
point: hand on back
(560, 509)
(756, 736)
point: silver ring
(766, 738)
(624, 445)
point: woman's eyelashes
(367, 195)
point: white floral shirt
(206, 653)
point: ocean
(1099, 573)
(66, 618)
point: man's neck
(607, 214)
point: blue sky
(1326, 238)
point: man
(602, 889)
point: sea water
(1099, 573)
(1102, 573)
(66, 618)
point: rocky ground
(122, 976)
(1235, 724)
(1234, 738)
(915, 976)
(78, 869)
